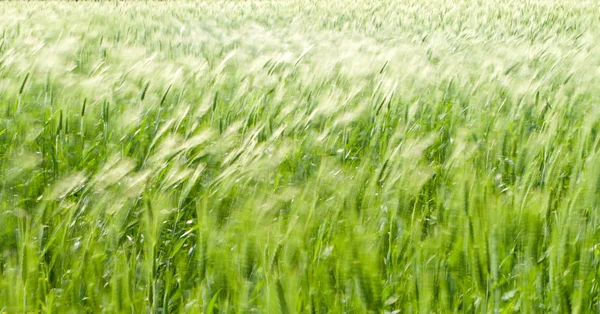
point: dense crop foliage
(300, 156)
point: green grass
(300, 157)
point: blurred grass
(300, 156)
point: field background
(300, 156)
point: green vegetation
(300, 157)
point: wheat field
(297, 156)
